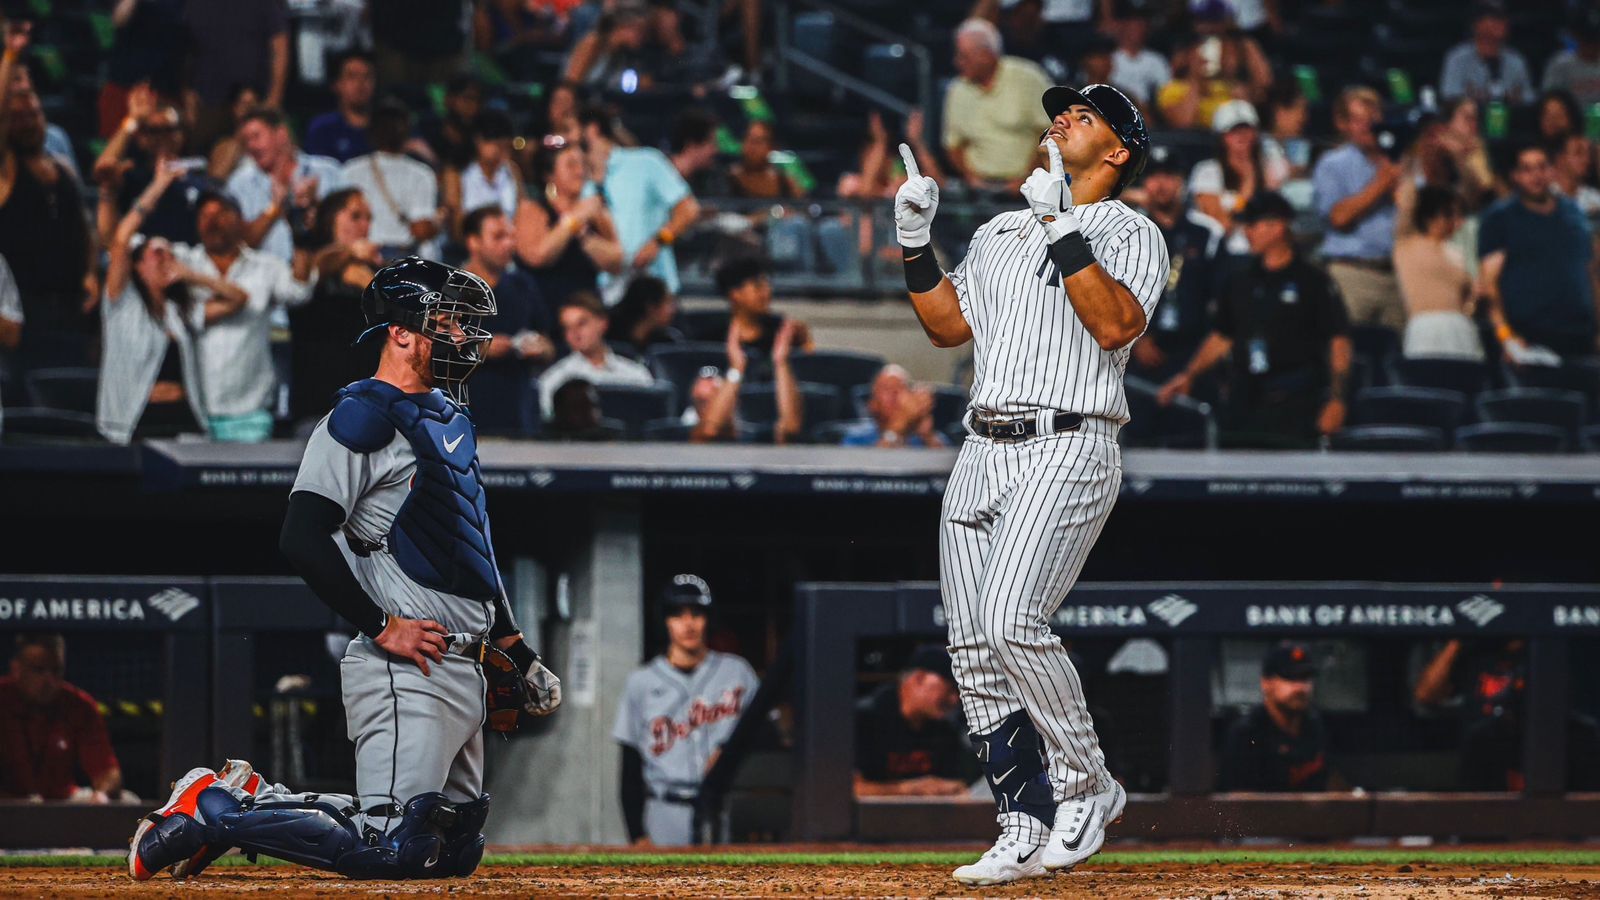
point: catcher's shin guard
(464, 841)
(1014, 768)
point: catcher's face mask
(454, 323)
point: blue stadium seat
(838, 250)
(635, 405)
(1376, 346)
(29, 425)
(844, 370)
(891, 68)
(1389, 438)
(1583, 377)
(758, 403)
(1535, 406)
(1415, 406)
(816, 34)
(72, 389)
(681, 363)
(709, 325)
(1185, 424)
(666, 430)
(1511, 437)
(1591, 438)
(1461, 375)
(789, 245)
(831, 433)
(949, 405)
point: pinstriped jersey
(1029, 349)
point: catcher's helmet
(1118, 112)
(685, 591)
(444, 304)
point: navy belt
(1028, 425)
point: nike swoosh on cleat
(1026, 856)
(1076, 842)
(450, 446)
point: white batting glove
(1049, 199)
(544, 691)
(915, 204)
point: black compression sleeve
(922, 269)
(633, 792)
(505, 624)
(307, 540)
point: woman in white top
(491, 179)
(1243, 167)
(1434, 283)
(149, 372)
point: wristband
(735, 376)
(1071, 254)
(922, 270)
(1504, 333)
(665, 237)
(521, 654)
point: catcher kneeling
(394, 469)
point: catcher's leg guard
(411, 849)
(318, 835)
(1014, 767)
(463, 841)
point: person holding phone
(1354, 186)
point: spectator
(491, 179)
(1573, 156)
(340, 260)
(150, 377)
(1138, 70)
(1194, 243)
(1094, 64)
(404, 193)
(1281, 321)
(1488, 680)
(148, 47)
(1280, 745)
(575, 415)
(157, 138)
(51, 732)
(1243, 166)
(228, 151)
(693, 146)
(1536, 261)
(1025, 34)
(1217, 66)
(277, 184)
(902, 414)
(448, 138)
(341, 134)
(235, 348)
(243, 42)
(882, 171)
(502, 387)
(1258, 18)
(651, 201)
(1558, 116)
(1448, 153)
(518, 34)
(1288, 112)
(745, 284)
(754, 175)
(1434, 281)
(906, 744)
(418, 42)
(44, 233)
(713, 409)
(1354, 188)
(1484, 67)
(1577, 70)
(992, 117)
(12, 317)
(564, 239)
(604, 57)
(583, 320)
(644, 317)
(561, 113)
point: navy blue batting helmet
(1118, 112)
(442, 303)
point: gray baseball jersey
(1020, 517)
(1029, 349)
(677, 720)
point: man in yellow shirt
(992, 118)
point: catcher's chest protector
(440, 537)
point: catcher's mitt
(511, 691)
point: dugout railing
(1190, 619)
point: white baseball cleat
(1080, 827)
(1010, 859)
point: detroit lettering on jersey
(677, 719)
(666, 731)
(1030, 351)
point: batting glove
(544, 690)
(915, 204)
(1049, 199)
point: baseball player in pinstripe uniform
(1051, 297)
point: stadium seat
(1415, 406)
(789, 245)
(69, 389)
(1591, 438)
(1583, 377)
(949, 405)
(1380, 438)
(843, 370)
(831, 433)
(709, 325)
(758, 403)
(1461, 375)
(36, 425)
(1511, 437)
(1375, 346)
(1186, 424)
(635, 405)
(890, 68)
(681, 364)
(1535, 406)
(838, 251)
(667, 430)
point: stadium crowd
(1380, 224)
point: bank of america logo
(173, 603)
(1172, 609)
(1480, 609)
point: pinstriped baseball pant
(1019, 519)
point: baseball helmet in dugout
(685, 592)
(1120, 115)
(444, 304)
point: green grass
(1320, 857)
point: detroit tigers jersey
(1029, 349)
(677, 720)
(371, 487)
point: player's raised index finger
(912, 171)
(1055, 156)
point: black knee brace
(1014, 767)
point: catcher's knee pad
(1014, 768)
(411, 849)
(464, 841)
